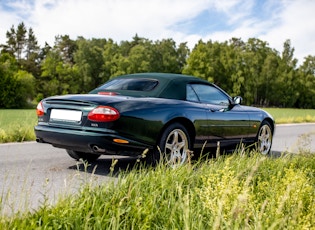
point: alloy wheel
(176, 147)
(264, 139)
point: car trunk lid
(71, 111)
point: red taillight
(103, 114)
(40, 109)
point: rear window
(130, 84)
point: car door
(227, 122)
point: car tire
(173, 146)
(264, 138)
(83, 156)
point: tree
(306, 84)
(140, 57)
(285, 87)
(16, 41)
(241, 68)
(58, 74)
(199, 62)
(269, 73)
(114, 58)
(31, 63)
(8, 85)
(66, 48)
(50, 80)
(89, 63)
(26, 91)
(17, 86)
(22, 44)
(255, 55)
(57, 77)
(251, 69)
(167, 57)
(183, 53)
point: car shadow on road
(276, 154)
(107, 166)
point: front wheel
(174, 145)
(81, 155)
(264, 138)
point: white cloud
(274, 22)
(235, 9)
(119, 20)
(297, 23)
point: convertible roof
(172, 86)
(166, 76)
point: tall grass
(17, 125)
(287, 115)
(230, 192)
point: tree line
(252, 69)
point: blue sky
(272, 21)
(212, 19)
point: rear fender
(185, 122)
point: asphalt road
(32, 173)
(294, 137)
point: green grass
(282, 116)
(230, 192)
(17, 125)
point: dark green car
(164, 113)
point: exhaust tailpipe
(98, 149)
(39, 140)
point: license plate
(65, 115)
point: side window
(210, 95)
(190, 94)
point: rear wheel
(174, 145)
(264, 138)
(81, 155)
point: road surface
(32, 173)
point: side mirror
(237, 100)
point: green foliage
(57, 77)
(17, 86)
(143, 55)
(261, 75)
(254, 71)
(199, 62)
(89, 64)
(231, 192)
(27, 87)
(306, 83)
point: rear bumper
(88, 141)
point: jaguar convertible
(168, 115)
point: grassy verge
(283, 116)
(17, 125)
(229, 192)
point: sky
(273, 21)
